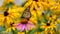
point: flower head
(8, 16)
(10, 27)
(24, 25)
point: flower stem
(25, 31)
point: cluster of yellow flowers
(45, 15)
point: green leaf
(9, 5)
(38, 21)
(32, 31)
(45, 20)
(2, 28)
(9, 33)
(14, 31)
(40, 29)
(56, 30)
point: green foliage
(40, 29)
(38, 20)
(14, 31)
(2, 28)
(9, 5)
(56, 30)
(32, 31)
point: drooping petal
(30, 24)
(19, 27)
(27, 27)
(23, 27)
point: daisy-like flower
(51, 17)
(24, 25)
(50, 25)
(8, 3)
(32, 3)
(50, 31)
(8, 15)
(10, 27)
(54, 18)
(56, 9)
(48, 4)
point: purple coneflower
(24, 25)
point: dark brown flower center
(24, 21)
(48, 24)
(34, 9)
(6, 13)
(42, 13)
(11, 24)
(35, 0)
(50, 15)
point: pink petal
(19, 24)
(30, 25)
(28, 28)
(23, 27)
(19, 27)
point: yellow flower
(20, 9)
(21, 33)
(33, 17)
(7, 4)
(32, 3)
(51, 17)
(49, 32)
(58, 20)
(8, 1)
(56, 10)
(9, 27)
(8, 16)
(38, 5)
(48, 4)
(28, 4)
(50, 25)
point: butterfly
(26, 14)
